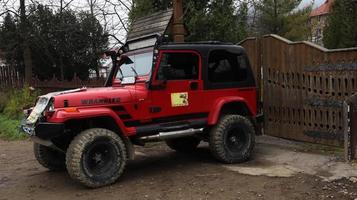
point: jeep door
(176, 86)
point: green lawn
(9, 129)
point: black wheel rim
(236, 139)
(100, 158)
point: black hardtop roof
(202, 46)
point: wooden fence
(10, 78)
(303, 87)
(55, 85)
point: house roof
(156, 23)
(323, 9)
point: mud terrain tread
(51, 162)
(217, 142)
(74, 156)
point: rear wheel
(49, 158)
(232, 139)
(96, 157)
(184, 144)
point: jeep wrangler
(156, 91)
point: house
(318, 20)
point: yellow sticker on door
(179, 99)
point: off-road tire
(49, 158)
(232, 139)
(79, 157)
(184, 144)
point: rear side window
(178, 66)
(227, 67)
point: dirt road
(159, 173)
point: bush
(18, 100)
(3, 100)
(9, 129)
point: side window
(178, 66)
(226, 67)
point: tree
(141, 8)
(223, 23)
(62, 42)
(9, 37)
(273, 13)
(204, 19)
(341, 29)
(295, 25)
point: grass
(9, 129)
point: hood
(79, 98)
(92, 96)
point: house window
(318, 32)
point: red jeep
(179, 93)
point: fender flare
(61, 116)
(217, 107)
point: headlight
(51, 107)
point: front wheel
(96, 157)
(49, 158)
(232, 139)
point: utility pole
(178, 29)
(25, 43)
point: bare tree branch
(9, 11)
(120, 42)
(127, 7)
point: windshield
(142, 64)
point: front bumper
(43, 130)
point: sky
(307, 2)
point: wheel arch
(232, 105)
(102, 121)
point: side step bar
(148, 130)
(171, 135)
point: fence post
(350, 127)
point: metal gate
(303, 87)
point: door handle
(193, 85)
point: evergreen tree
(295, 25)
(141, 8)
(273, 14)
(61, 42)
(341, 29)
(204, 19)
(9, 43)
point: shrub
(9, 129)
(18, 100)
(3, 100)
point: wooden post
(178, 30)
(350, 128)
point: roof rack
(202, 42)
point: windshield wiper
(136, 74)
(121, 73)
